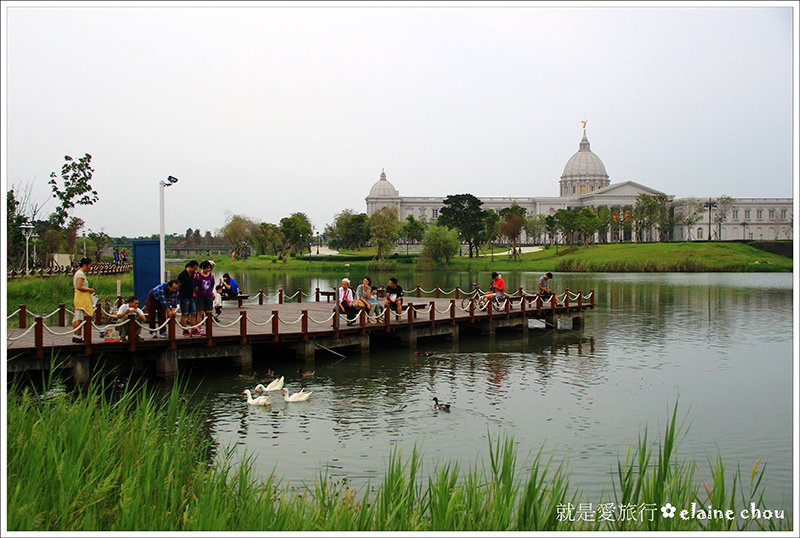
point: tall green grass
(100, 461)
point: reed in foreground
(90, 461)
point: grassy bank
(697, 256)
(90, 462)
(42, 295)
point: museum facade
(585, 183)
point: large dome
(584, 172)
(382, 188)
(584, 164)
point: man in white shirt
(125, 309)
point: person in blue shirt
(162, 301)
(230, 288)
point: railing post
(23, 316)
(580, 298)
(38, 337)
(209, 331)
(438, 292)
(131, 332)
(387, 317)
(452, 311)
(62, 315)
(553, 302)
(472, 309)
(260, 297)
(433, 312)
(362, 320)
(458, 292)
(522, 304)
(98, 314)
(489, 308)
(538, 304)
(418, 291)
(243, 327)
(591, 295)
(300, 296)
(280, 296)
(410, 313)
(172, 333)
(566, 298)
(87, 335)
(316, 295)
(336, 320)
(304, 323)
(275, 324)
(507, 306)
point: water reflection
(722, 344)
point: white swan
(296, 397)
(261, 400)
(275, 385)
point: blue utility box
(146, 268)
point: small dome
(584, 164)
(383, 189)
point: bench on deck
(239, 298)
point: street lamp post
(84, 244)
(317, 242)
(27, 231)
(710, 205)
(35, 236)
(162, 185)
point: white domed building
(584, 182)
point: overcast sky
(264, 110)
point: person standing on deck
(82, 299)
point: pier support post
(364, 345)
(305, 350)
(408, 337)
(244, 359)
(81, 370)
(167, 364)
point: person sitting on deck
(230, 288)
(394, 296)
(497, 286)
(125, 309)
(161, 304)
(544, 286)
(346, 299)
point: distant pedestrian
(82, 300)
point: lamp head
(172, 179)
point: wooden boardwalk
(304, 327)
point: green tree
(74, 188)
(724, 205)
(587, 223)
(512, 222)
(349, 230)
(535, 229)
(413, 230)
(237, 231)
(603, 223)
(15, 245)
(297, 230)
(439, 245)
(690, 212)
(566, 220)
(384, 228)
(463, 213)
(491, 229)
(551, 226)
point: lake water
(719, 344)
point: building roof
(383, 189)
(584, 164)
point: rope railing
(326, 320)
(290, 322)
(190, 327)
(293, 296)
(70, 331)
(266, 322)
(15, 338)
(231, 324)
(14, 313)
